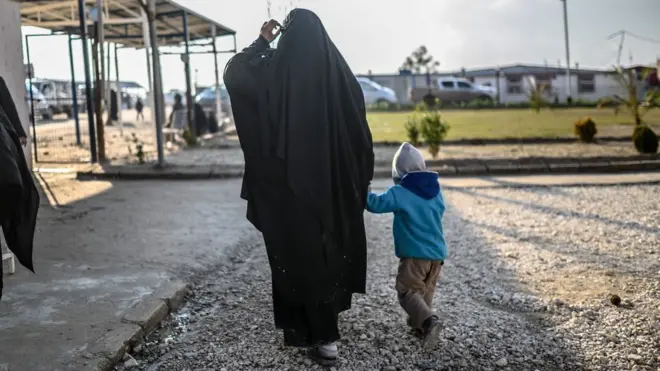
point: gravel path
(526, 287)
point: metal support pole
(186, 64)
(568, 53)
(88, 83)
(74, 93)
(150, 78)
(34, 118)
(100, 80)
(158, 91)
(108, 88)
(218, 109)
(150, 96)
(118, 94)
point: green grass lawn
(515, 123)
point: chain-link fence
(61, 138)
(60, 129)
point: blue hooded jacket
(418, 206)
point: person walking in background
(139, 106)
(178, 115)
(419, 242)
(301, 121)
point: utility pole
(621, 33)
(568, 54)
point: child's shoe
(325, 354)
(416, 331)
(431, 330)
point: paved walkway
(106, 247)
(103, 247)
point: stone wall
(11, 61)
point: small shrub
(430, 100)
(645, 139)
(585, 128)
(412, 130)
(189, 138)
(434, 130)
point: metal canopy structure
(123, 21)
(147, 24)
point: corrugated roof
(123, 21)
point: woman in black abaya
(301, 121)
(19, 198)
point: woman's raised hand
(268, 31)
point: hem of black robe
(321, 326)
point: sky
(377, 35)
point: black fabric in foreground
(19, 198)
(301, 121)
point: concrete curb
(562, 185)
(136, 323)
(511, 140)
(464, 142)
(450, 168)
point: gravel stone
(513, 253)
(131, 363)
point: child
(418, 206)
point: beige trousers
(415, 287)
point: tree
(631, 102)
(421, 61)
(536, 95)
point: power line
(644, 38)
(628, 33)
(623, 34)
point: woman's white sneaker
(325, 354)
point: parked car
(41, 105)
(207, 100)
(375, 93)
(58, 94)
(453, 90)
